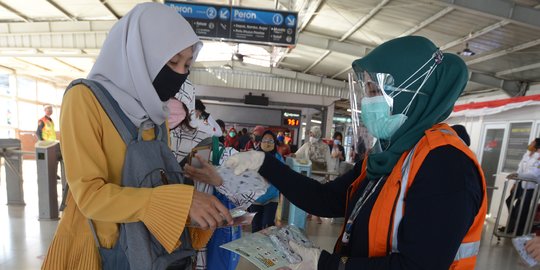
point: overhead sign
(239, 24)
(291, 118)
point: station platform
(25, 239)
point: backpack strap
(124, 126)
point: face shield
(372, 96)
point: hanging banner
(239, 24)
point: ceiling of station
(59, 39)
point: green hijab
(401, 57)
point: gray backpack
(147, 164)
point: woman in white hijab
(143, 62)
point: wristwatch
(342, 263)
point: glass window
(59, 95)
(29, 114)
(4, 85)
(26, 88)
(7, 133)
(518, 140)
(8, 112)
(46, 93)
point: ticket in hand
(519, 244)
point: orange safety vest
(389, 206)
(48, 133)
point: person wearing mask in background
(266, 205)
(203, 121)
(190, 131)
(418, 200)
(141, 68)
(232, 139)
(528, 169)
(221, 125)
(45, 130)
(338, 151)
(283, 148)
(243, 139)
(319, 154)
(256, 137)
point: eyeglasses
(268, 141)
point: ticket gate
(10, 153)
(47, 157)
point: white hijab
(136, 49)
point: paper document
(269, 249)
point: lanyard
(371, 187)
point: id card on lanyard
(371, 187)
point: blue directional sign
(290, 21)
(224, 13)
(239, 24)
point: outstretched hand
(208, 212)
(207, 174)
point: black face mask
(168, 82)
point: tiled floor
(24, 239)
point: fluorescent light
(315, 121)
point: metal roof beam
(61, 9)
(341, 72)
(511, 88)
(310, 13)
(504, 52)
(502, 9)
(110, 9)
(475, 34)
(351, 31)
(268, 79)
(16, 12)
(427, 21)
(270, 70)
(325, 54)
(315, 41)
(519, 69)
(364, 20)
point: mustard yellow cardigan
(93, 154)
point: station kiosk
(296, 216)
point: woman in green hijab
(418, 200)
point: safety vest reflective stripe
(398, 214)
(467, 250)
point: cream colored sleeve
(302, 152)
(83, 123)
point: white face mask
(313, 140)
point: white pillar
(328, 121)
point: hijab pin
(438, 56)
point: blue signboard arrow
(224, 13)
(290, 21)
